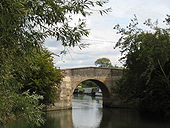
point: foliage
(88, 83)
(24, 104)
(40, 76)
(103, 62)
(27, 105)
(146, 79)
(24, 64)
(35, 74)
(27, 23)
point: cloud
(87, 57)
(102, 37)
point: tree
(24, 25)
(103, 62)
(146, 79)
(27, 23)
(40, 76)
(88, 83)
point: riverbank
(4, 121)
(87, 112)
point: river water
(87, 112)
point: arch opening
(102, 89)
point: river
(87, 112)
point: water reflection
(87, 112)
(59, 119)
(124, 118)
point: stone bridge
(105, 78)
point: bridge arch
(104, 77)
(105, 91)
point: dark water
(87, 112)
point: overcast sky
(102, 37)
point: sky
(102, 37)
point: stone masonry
(105, 78)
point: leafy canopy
(24, 63)
(27, 23)
(103, 62)
(146, 79)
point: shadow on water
(125, 118)
(87, 112)
(59, 119)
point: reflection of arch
(102, 86)
(86, 116)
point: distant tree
(88, 83)
(103, 62)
